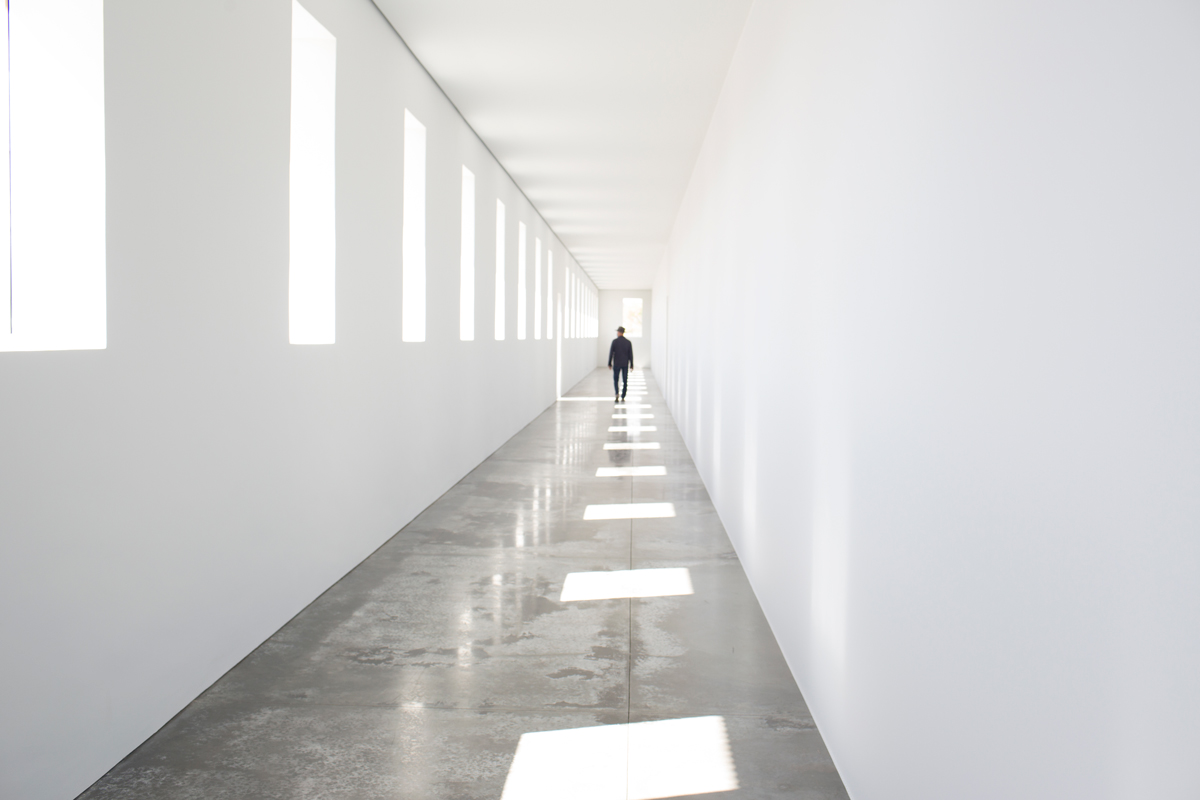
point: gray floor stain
(416, 675)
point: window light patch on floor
(629, 511)
(630, 472)
(637, 761)
(626, 583)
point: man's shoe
(617, 399)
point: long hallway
(568, 621)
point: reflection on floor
(484, 651)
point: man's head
(621, 331)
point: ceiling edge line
(475, 133)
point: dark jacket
(621, 353)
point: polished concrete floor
(421, 672)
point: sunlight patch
(629, 511)
(626, 583)
(638, 761)
(630, 472)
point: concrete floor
(417, 674)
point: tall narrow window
(412, 310)
(52, 284)
(312, 227)
(558, 346)
(6, 180)
(537, 288)
(522, 293)
(631, 315)
(570, 294)
(466, 260)
(550, 295)
(499, 271)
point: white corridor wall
(954, 432)
(169, 502)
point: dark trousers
(620, 373)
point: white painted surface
(596, 109)
(169, 502)
(950, 415)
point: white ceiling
(596, 109)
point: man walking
(620, 361)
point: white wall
(612, 315)
(953, 430)
(169, 502)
